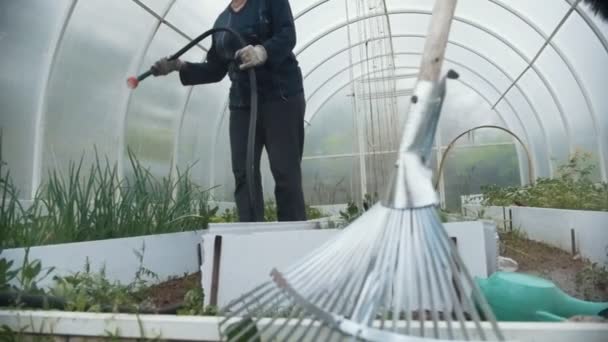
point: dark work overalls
(280, 125)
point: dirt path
(553, 264)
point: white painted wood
(247, 259)
(249, 254)
(189, 328)
(552, 226)
(491, 239)
(167, 255)
(260, 227)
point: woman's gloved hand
(251, 56)
(164, 66)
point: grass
(95, 203)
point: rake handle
(437, 39)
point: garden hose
(133, 82)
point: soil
(172, 292)
(551, 263)
(533, 258)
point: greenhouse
(304, 170)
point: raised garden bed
(577, 277)
(65, 326)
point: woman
(269, 29)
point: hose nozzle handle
(133, 82)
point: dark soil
(533, 257)
(172, 292)
(551, 263)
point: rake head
(392, 275)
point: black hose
(12, 299)
(253, 116)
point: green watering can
(525, 298)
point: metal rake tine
(388, 266)
(294, 329)
(459, 311)
(460, 269)
(326, 267)
(261, 304)
(370, 284)
(357, 286)
(319, 274)
(430, 282)
(319, 260)
(419, 272)
(253, 323)
(439, 246)
(387, 290)
(408, 264)
(399, 274)
(479, 297)
(442, 287)
(277, 331)
(329, 246)
(247, 304)
(246, 295)
(315, 254)
(349, 287)
(318, 332)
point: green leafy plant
(30, 274)
(93, 292)
(243, 330)
(96, 203)
(270, 211)
(592, 277)
(88, 291)
(7, 274)
(573, 188)
(193, 303)
(353, 211)
(229, 215)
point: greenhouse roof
(536, 70)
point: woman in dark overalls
(268, 27)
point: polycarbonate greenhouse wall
(537, 69)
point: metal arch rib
(39, 120)
(341, 87)
(494, 64)
(591, 24)
(525, 131)
(346, 68)
(178, 134)
(534, 160)
(515, 136)
(499, 113)
(309, 8)
(123, 124)
(467, 22)
(599, 132)
(162, 20)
